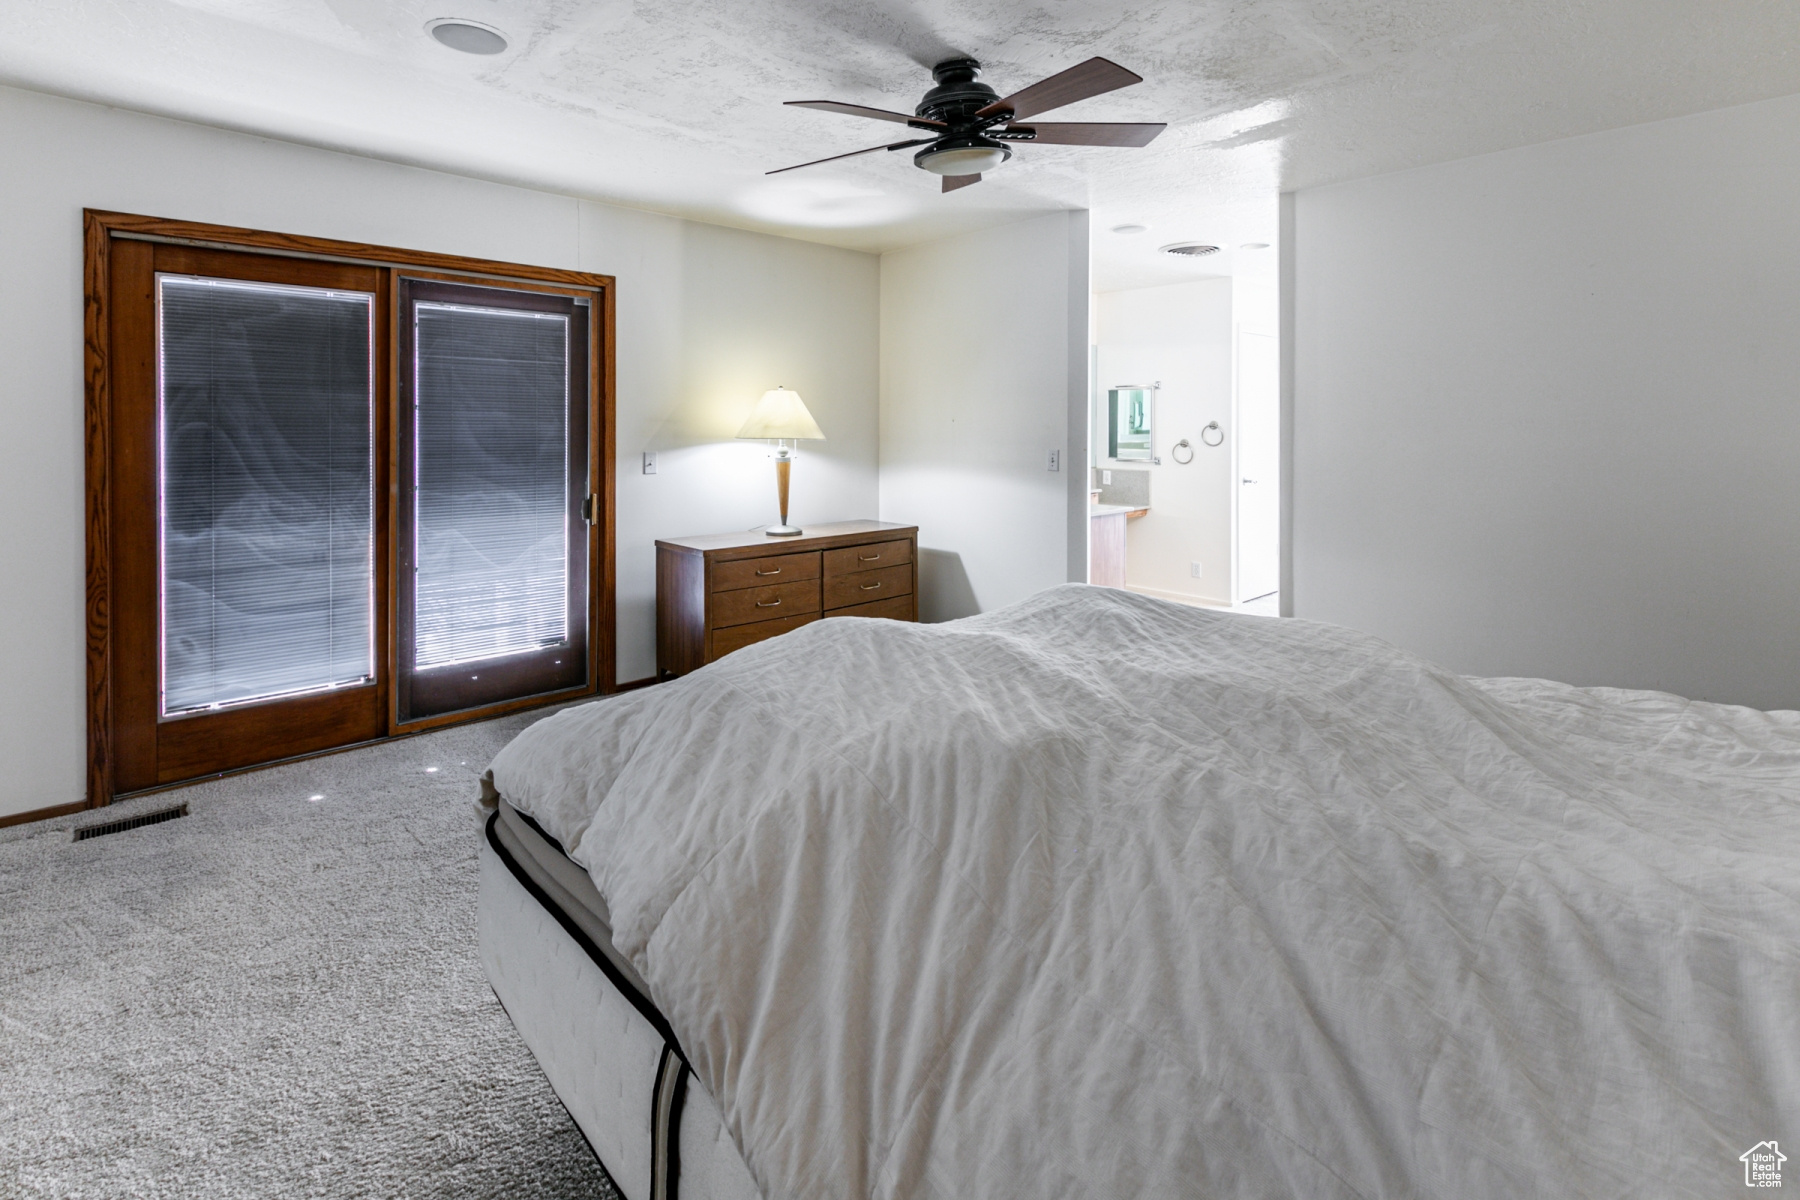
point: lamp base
(784, 531)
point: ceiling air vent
(1190, 249)
(150, 818)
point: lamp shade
(781, 414)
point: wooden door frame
(101, 229)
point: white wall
(1546, 407)
(983, 373)
(708, 319)
(1179, 335)
(716, 318)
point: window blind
(265, 401)
(492, 508)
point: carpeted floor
(277, 995)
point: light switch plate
(649, 462)
(1055, 460)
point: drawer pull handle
(776, 571)
(869, 587)
(770, 604)
(868, 558)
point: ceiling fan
(970, 123)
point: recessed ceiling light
(471, 37)
(1254, 246)
(1129, 228)
(1190, 249)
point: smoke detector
(1190, 249)
(470, 37)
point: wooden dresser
(721, 592)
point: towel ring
(1177, 448)
(1213, 427)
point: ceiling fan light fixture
(470, 37)
(962, 119)
(973, 157)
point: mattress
(585, 1013)
(568, 890)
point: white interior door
(1259, 465)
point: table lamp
(781, 417)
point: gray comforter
(1102, 896)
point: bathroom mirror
(1131, 420)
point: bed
(1101, 895)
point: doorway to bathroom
(1185, 409)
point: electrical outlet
(649, 462)
(1106, 478)
(1055, 460)
(1194, 569)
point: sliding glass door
(332, 499)
(493, 549)
(249, 571)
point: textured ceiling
(676, 104)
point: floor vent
(150, 818)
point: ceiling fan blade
(872, 149)
(1091, 78)
(1079, 133)
(952, 182)
(862, 110)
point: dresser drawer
(745, 605)
(872, 557)
(900, 608)
(865, 586)
(760, 572)
(721, 642)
